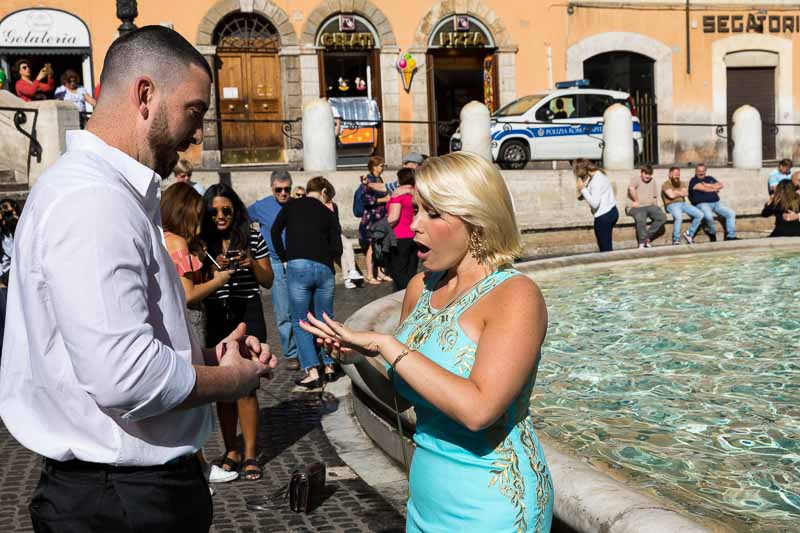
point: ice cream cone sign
(406, 66)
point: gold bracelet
(397, 359)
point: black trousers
(604, 227)
(76, 496)
(222, 317)
(403, 262)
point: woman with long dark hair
(313, 242)
(29, 88)
(234, 245)
(374, 210)
(784, 205)
(403, 257)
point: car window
(518, 106)
(594, 105)
(560, 107)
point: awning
(45, 51)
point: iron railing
(21, 118)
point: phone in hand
(233, 255)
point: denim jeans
(310, 289)
(709, 209)
(280, 307)
(677, 209)
(604, 228)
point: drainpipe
(688, 42)
(549, 66)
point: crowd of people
(123, 336)
(699, 199)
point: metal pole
(688, 42)
(127, 11)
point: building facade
(399, 72)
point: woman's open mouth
(422, 250)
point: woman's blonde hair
(583, 168)
(183, 167)
(469, 187)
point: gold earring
(477, 246)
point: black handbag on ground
(306, 487)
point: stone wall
(550, 217)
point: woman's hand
(245, 262)
(791, 216)
(579, 185)
(222, 276)
(336, 335)
(42, 74)
(223, 261)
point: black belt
(184, 462)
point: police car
(563, 124)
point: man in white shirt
(100, 374)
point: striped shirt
(243, 284)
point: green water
(683, 375)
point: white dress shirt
(97, 352)
(599, 194)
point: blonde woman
(465, 354)
(594, 187)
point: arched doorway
(350, 77)
(634, 74)
(249, 89)
(461, 67)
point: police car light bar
(580, 84)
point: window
(518, 107)
(560, 107)
(594, 105)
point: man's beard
(161, 146)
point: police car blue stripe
(556, 131)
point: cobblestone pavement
(290, 434)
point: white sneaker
(689, 238)
(220, 475)
(348, 284)
(355, 275)
(641, 245)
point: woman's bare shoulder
(176, 243)
(516, 294)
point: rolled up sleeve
(100, 274)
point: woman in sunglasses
(32, 89)
(234, 245)
(72, 91)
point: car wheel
(513, 155)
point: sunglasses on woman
(226, 211)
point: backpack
(358, 202)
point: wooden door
(249, 88)
(755, 87)
(265, 105)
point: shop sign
(751, 23)
(347, 40)
(462, 33)
(43, 28)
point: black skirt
(222, 317)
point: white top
(599, 194)
(77, 97)
(97, 351)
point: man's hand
(634, 204)
(247, 373)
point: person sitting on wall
(784, 205)
(28, 88)
(704, 194)
(643, 205)
(675, 194)
(783, 172)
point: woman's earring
(477, 246)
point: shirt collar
(141, 178)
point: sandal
(254, 472)
(229, 464)
(372, 281)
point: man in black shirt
(704, 194)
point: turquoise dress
(493, 480)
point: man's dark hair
(150, 49)
(673, 168)
(785, 163)
(647, 169)
(405, 176)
